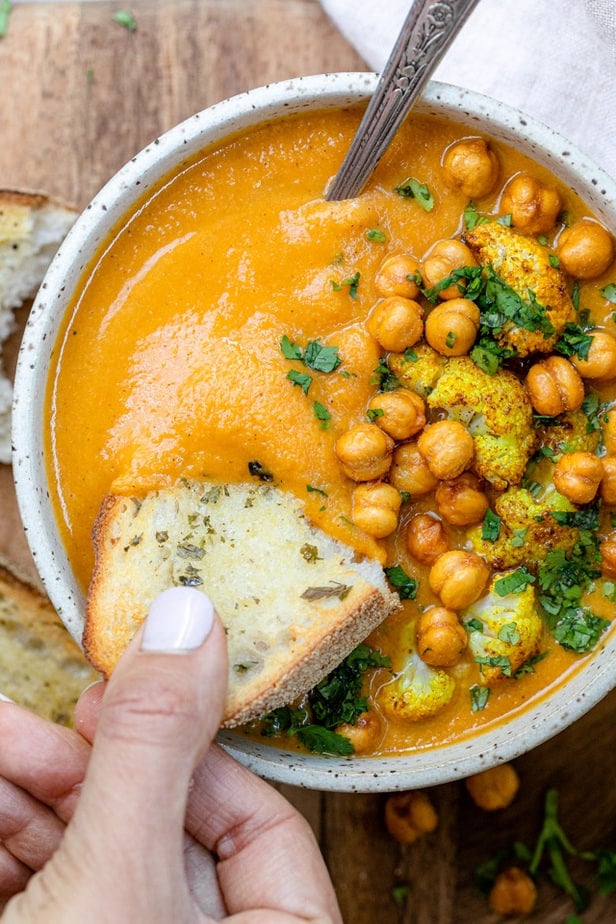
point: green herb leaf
(302, 379)
(413, 189)
(125, 18)
(472, 218)
(321, 358)
(574, 341)
(609, 292)
(479, 697)
(405, 585)
(351, 281)
(374, 234)
(5, 12)
(321, 413)
(289, 349)
(515, 582)
(491, 526)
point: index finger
(268, 855)
(46, 760)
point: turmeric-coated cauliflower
(417, 369)
(496, 410)
(527, 529)
(417, 691)
(524, 265)
(570, 432)
(504, 629)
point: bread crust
(293, 601)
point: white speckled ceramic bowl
(499, 742)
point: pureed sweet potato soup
(429, 367)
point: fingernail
(5, 699)
(180, 619)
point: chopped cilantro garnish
(321, 358)
(509, 633)
(374, 413)
(490, 528)
(609, 292)
(479, 697)
(375, 234)
(335, 700)
(289, 349)
(312, 490)
(501, 661)
(472, 218)
(321, 413)
(302, 379)
(405, 585)
(450, 339)
(413, 189)
(384, 378)
(351, 281)
(515, 582)
(574, 341)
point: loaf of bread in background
(32, 226)
(294, 602)
(41, 667)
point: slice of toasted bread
(41, 667)
(31, 228)
(294, 602)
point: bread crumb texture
(294, 602)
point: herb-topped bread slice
(41, 667)
(294, 602)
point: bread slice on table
(32, 226)
(41, 667)
(294, 602)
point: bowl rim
(496, 742)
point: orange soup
(419, 366)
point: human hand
(153, 822)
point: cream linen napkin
(553, 59)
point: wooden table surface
(80, 95)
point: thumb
(159, 714)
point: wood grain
(81, 96)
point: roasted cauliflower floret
(497, 412)
(523, 264)
(569, 433)
(417, 690)
(527, 529)
(504, 631)
(417, 369)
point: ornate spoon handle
(428, 30)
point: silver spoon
(428, 30)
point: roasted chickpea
(513, 892)
(458, 577)
(447, 447)
(554, 386)
(471, 167)
(451, 328)
(376, 508)
(577, 476)
(410, 472)
(495, 788)
(600, 363)
(585, 250)
(607, 548)
(397, 275)
(408, 815)
(441, 638)
(608, 482)
(396, 323)
(426, 538)
(404, 413)
(364, 452)
(609, 432)
(445, 257)
(533, 206)
(461, 501)
(365, 734)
